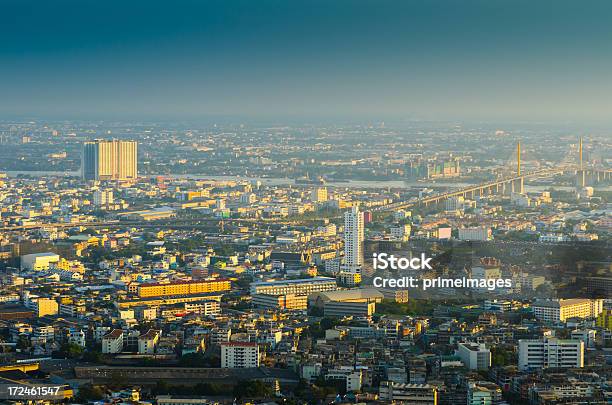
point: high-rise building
(109, 160)
(353, 240)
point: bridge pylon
(581, 174)
(518, 185)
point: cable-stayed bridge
(510, 184)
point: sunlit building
(109, 160)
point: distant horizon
(229, 120)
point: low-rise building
(239, 355)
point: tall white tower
(353, 240)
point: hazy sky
(426, 59)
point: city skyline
(306, 202)
(466, 265)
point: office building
(353, 240)
(167, 300)
(304, 286)
(239, 355)
(285, 301)
(434, 168)
(109, 160)
(76, 336)
(559, 310)
(550, 353)
(183, 288)
(497, 305)
(486, 272)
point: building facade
(421, 394)
(353, 240)
(183, 288)
(559, 310)
(297, 287)
(109, 160)
(550, 353)
(474, 356)
(239, 355)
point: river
(280, 181)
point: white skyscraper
(353, 240)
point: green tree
(89, 392)
(253, 389)
(71, 351)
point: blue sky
(430, 59)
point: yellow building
(46, 306)
(319, 194)
(110, 160)
(183, 288)
(554, 311)
(72, 265)
(604, 320)
(288, 301)
(348, 279)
